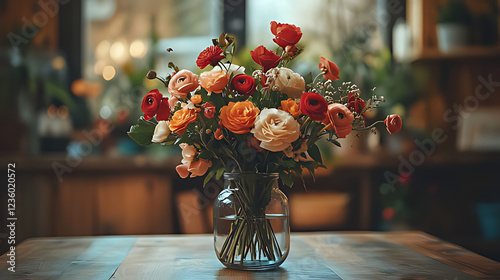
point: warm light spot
(105, 112)
(99, 66)
(117, 51)
(108, 72)
(52, 111)
(388, 213)
(58, 63)
(79, 87)
(102, 49)
(63, 112)
(138, 49)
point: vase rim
(229, 175)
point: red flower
(355, 104)
(211, 55)
(265, 58)
(285, 34)
(243, 84)
(208, 110)
(393, 123)
(151, 103)
(163, 110)
(313, 105)
(330, 70)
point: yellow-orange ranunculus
(291, 107)
(196, 99)
(214, 81)
(239, 117)
(181, 119)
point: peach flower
(214, 80)
(340, 118)
(172, 102)
(239, 117)
(189, 163)
(291, 107)
(276, 129)
(162, 131)
(181, 119)
(182, 83)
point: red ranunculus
(285, 34)
(265, 58)
(355, 104)
(163, 110)
(208, 110)
(393, 123)
(243, 84)
(330, 70)
(211, 55)
(151, 103)
(313, 105)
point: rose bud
(151, 75)
(393, 123)
(151, 103)
(330, 70)
(243, 84)
(285, 34)
(208, 110)
(265, 58)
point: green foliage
(142, 132)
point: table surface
(339, 255)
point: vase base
(255, 265)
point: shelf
(469, 52)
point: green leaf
(314, 152)
(308, 78)
(219, 173)
(209, 176)
(142, 132)
(287, 178)
(335, 142)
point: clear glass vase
(251, 222)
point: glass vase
(251, 222)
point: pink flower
(190, 164)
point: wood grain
(342, 255)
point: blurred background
(73, 77)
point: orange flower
(218, 134)
(181, 119)
(330, 70)
(214, 81)
(291, 107)
(239, 117)
(196, 99)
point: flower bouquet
(254, 129)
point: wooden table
(349, 255)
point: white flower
(287, 81)
(162, 131)
(276, 129)
(232, 70)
